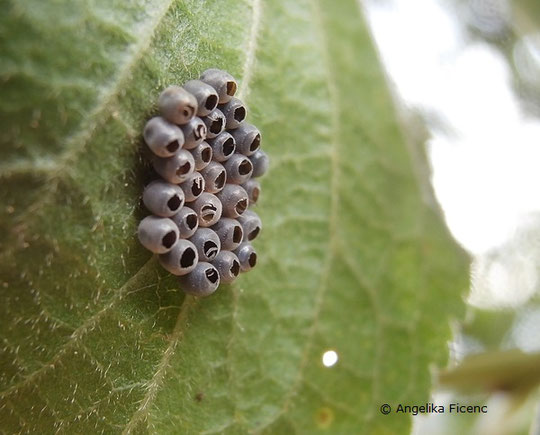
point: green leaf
(96, 337)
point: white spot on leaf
(329, 358)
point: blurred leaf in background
(510, 371)
(96, 337)
(495, 350)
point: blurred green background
(466, 75)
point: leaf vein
(251, 48)
(333, 214)
(156, 381)
(77, 334)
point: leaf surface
(96, 337)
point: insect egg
(251, 223)
(223, 146)
(193, 187)
(230, 233)
(186, 221)
(260, 163)
(162, 198)
(208, 209)
(163, 138)
(222, 82)
(181, 259)
(177, 105)
(227, 265)
(194, 133)
(214, 176)
(253, 189)
(206, 156)
(239, 169)
(248, 138)
(215, 123)
(247, 256)
(158, 234)
(235, 112)
(202, 155)
(206, 96)
(202, 281)
(207, 243)
(234, 199)
(175, 169)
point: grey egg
(187, 222)
(234, 200)
(162, 198)
(177, 105)
(193, 187)
(215, 123)
(194, 133)
(181, 259)
(230, 233)
(224, 83)
(203, 281)
(253, 189)
(260, 162)
(228, 266)
(206, 96)
(208, 209)
(214, 176)
(223, 146)
(239, 169)
(247, 137)
(251, 224)
(175, 169)
(157, 234)
(247, 256)
(202, 155)
(207, 243)
(163, 138)
(235, 112)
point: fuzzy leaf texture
(97, 338)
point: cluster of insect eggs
(208, 157)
